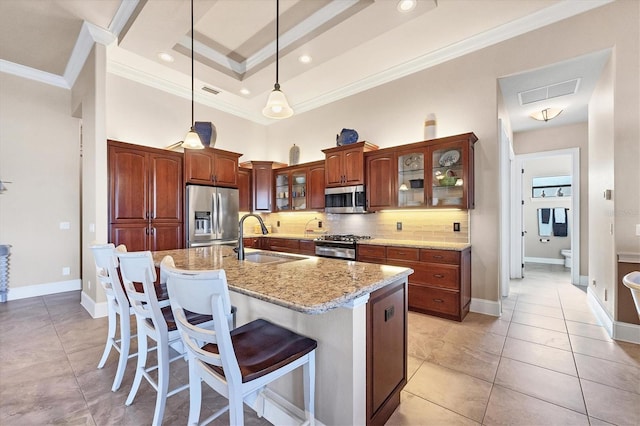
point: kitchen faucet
(240, 247)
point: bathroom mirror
(551, 186)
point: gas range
(338, 246)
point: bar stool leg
(111, 334)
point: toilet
(567, 257)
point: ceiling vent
(548, 92)
(210, 90)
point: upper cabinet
(262, 182)
(244, 189)
(344, 165)
(210, 166)
(300, 187)
(433, 174)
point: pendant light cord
(192, 116)
(277, 40)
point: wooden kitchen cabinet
(315, 185)
(438, 173)
(381, 183)
(344, 165)
(252, 242)
(262, 185)
(145, 197)
(210, 166)
(244, 189)
(287, 245)
(441, 282)
(386, 351)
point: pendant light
(192, 140)
(277, 105)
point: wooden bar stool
(237, 363)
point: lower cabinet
(386, 351)
(287, 245)
(441, 282)
(141, 237)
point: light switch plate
(638, 230)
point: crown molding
(89, 34)
(33, 74)
(124, 12)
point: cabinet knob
(438, 275)
(438, 300)
(437, 256)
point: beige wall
(602, 247)
(39, 153)
(557, 138)
(145, 116)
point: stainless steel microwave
(345, 199)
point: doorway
(528, 204)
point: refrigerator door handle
(219, 215)
(214, 216)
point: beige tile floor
(545, 361)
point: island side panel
(340, 357)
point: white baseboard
(16, 293)
(546, 260)
(487, 307)
(96, 310)
(600, 312)
(279, 411)
(626, 332)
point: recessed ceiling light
(165, 57)
(305, 59)
(406, 5)
(245, 91)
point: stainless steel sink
(264, 257)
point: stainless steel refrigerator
(212, 215)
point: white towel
(559, 215)
(544, 229)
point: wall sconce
(546, 114)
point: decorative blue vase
(207, 132)
(346, 137)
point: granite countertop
(312, 285)
(437, 245)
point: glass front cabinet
(432, 174)
(291, 190)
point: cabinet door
(298, 189)
(225, 170)
(244, 190)
(283, 202)
(449, 183)
(334, 169)
(353, 166)
(315, 188)
(128, 190)
(411, 179)
(165, 236)
(198, 165)
(165, 188)
(371, 253)
(262, 179)
(135, 236)
(380, 181)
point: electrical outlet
(89, 284)
(605, 294)
(66, 270)
(593, 283)
(65, 225)
(456, 226)
(278, 224)
(319, 224)
(638, 230)
(399, 226)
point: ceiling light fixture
(192, 140)
(245, 91)
(166, 57)
(546, 114)
(277, 105)
(305, 59)
(406, 5)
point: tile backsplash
(417, 225)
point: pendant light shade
(277, 105)
(192, 140)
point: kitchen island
(356, 311)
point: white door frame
(516, 206)
(506, 157)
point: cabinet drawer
(440, 256)
(284, 242)
(371, 252)
(434, 299)
(307, 247)
(403, 253)
(444, 276)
